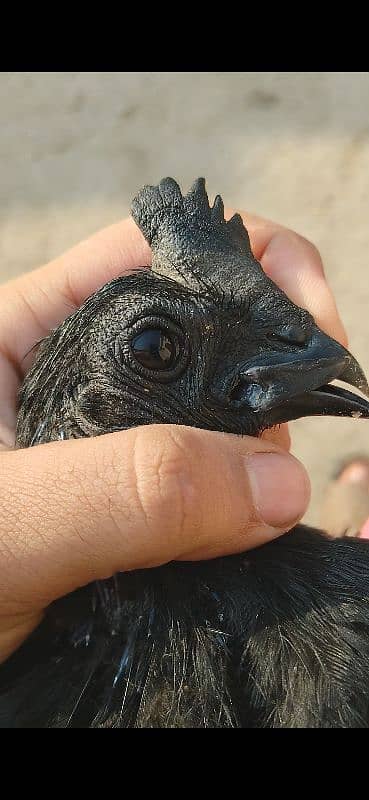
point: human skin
(75, 511)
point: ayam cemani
(275, 637)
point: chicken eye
(154, 349)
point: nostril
(237, 392)
(224, 395)
(291, 334)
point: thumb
(79, 510)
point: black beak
(283, 386)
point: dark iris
(154, 349)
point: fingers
(278, 435)
(37, 302)
(296, 266)
(79, 510)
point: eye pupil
(154, 349)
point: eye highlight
(154, 349)
(158, 348)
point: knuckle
(99, 488)
(166, 478)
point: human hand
(75, 511)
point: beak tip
(354, 375)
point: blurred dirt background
(75, 147)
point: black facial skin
(233, 366)
(276, 637)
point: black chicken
(275, 637)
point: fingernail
(280, 487)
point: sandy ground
(75, 147)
